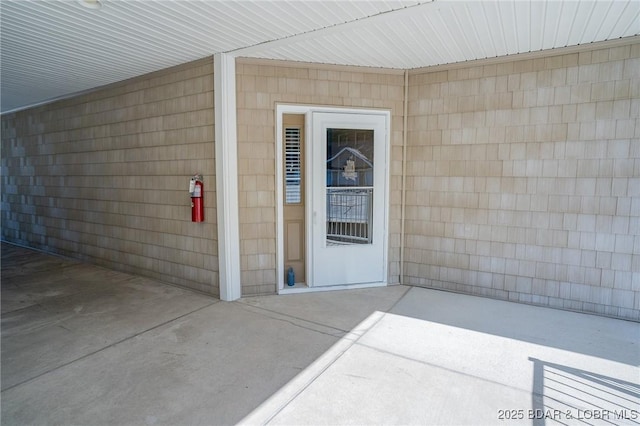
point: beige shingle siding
(524, 180)
(523, 176)
(262, 84)
(104, 176)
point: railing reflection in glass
(349, 215)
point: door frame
(307, 110)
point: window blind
(293, 165)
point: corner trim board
(226, 151)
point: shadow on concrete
(608, 338)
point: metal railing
(350, 215)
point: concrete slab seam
(107, 347)
(407, 290)
(339, 333)
(325, 361)
(258, 308)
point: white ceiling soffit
(51, 49)
(447, 31)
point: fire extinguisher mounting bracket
(192, 183)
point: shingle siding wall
(524, 180)
(104, 176)
(263, 84)
(523, 176)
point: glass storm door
(348, 200)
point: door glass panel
(349, 168)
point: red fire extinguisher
(196, 189)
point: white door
(348, 198)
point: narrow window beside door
(294, 196)
(292, 165)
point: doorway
(333, 198)
(348, 198)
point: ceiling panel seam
(636, 20)
(557, 25)
(336, 27)
(475, 31)
(485, 21)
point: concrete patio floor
(87, 345)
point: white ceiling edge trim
(250, 60)
(546, 53)
(299, 64)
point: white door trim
(282, 109)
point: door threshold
(297, 288)
(303, 288)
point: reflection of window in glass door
(349, 166)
